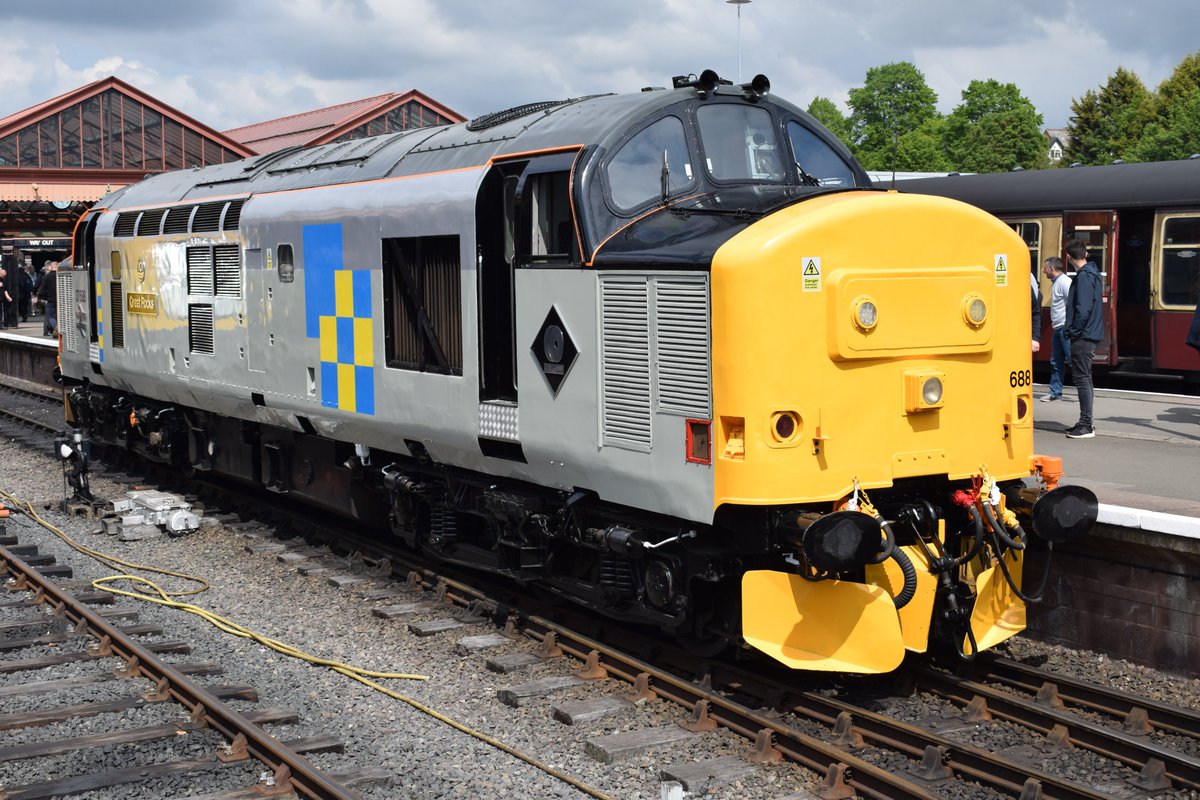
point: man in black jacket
(48, 293)
(1085, 330)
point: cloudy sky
(232, 62)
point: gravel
(427, 757)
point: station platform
(1143, 462)
(32, 330)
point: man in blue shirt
(1084, 329)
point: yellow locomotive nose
(891, 331)
(888, 328)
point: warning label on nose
(810, 280)
(1001, 270)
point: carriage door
(495, 238)
(1098, 229)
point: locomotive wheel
(702, 645)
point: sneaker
(1047, 398)
(1081, 432)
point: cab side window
(817, 158)
(635, 173)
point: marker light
(974, 310)
(866, 315)
(784, 425)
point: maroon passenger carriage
(1141, 223)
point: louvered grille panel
(178, 219)
(233, 215)
(126, 223)
(443, 296)
(149, 223)
(207, 217)
(625, 363)
(117, 317)
(227, 258)
(199, 270)
(66, 311)
(681, 330)
(200, 328)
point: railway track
(834, 731)
(88, 635)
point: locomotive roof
(596, 120)
(1150, 185)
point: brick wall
(1131, 594)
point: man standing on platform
(48, 294)
(6, 288)
(1060, 346)
(1084, 329)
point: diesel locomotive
(666, 354)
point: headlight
(924, 390)
(931, 391)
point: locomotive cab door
(83, 305)
(1099, 230)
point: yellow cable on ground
(103, 558)
(359, 674)
(230, 627)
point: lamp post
(739, 4)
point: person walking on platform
(48, 293)
(1084, 329)
(1060, 345)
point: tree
(1126, 107)
(1184, 81)
(1086, 146)
(994, 129)
(894, 101)
(919, 151)
(1178, 136)
(826, 112)
(1107, 124)
(1173, 129)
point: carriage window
(739, 143)
(1031, 233)
(1181, 261)
(635, 172)
(817, 158)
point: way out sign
(1002, 270)
(810, 276)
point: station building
(59, 157)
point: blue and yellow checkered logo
(337, 303)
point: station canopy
(358, 119)
(60, 156)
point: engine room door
(1098, 229)
(258, 310)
